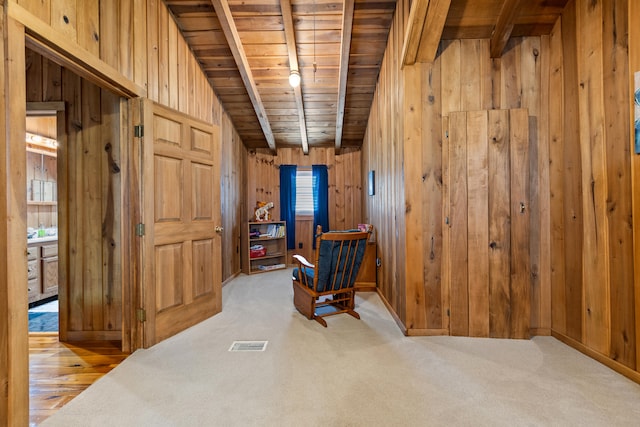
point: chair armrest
(303, 261)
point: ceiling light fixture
(294, 78)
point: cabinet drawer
(33, 286)
(50, 275)
(32, 270)
(32, 252)
(49, 250)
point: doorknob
(218, 229)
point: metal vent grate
(248, 346)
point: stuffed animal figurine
(262, 213)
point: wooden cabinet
(264, 246)
(42, 270)
(368, 274)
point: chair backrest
(337, 259)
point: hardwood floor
(58, 372)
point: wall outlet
(299, 245)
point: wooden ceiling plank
(345, 46)
(290, 37)
(417, 17)
(504, 26)
(231, 33)
(432, 30)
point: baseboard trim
(540, 332)
(392, 312)
(616, 366)
(427, 332)
(93, 335)
(233, 276)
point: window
(304, 192)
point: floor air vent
(248, 346)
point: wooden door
(489, 223)
(180, 210)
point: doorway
(41, 144)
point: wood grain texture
(477, 222)
(520, 224)
(594, 180)
(634, 65)
(414, 184)
(616, 91)
(13, 213)
(556, 183)
(458, 219)
(58, 372)
(499, 167)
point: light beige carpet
(353, 373)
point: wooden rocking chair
(325, 287)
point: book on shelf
(274, 230)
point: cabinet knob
(218, 229)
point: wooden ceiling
(247, 49)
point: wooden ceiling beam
(233, 39)
(504, 26)
(417, 17)
(290, 37)
(432, 30)
(345, 48)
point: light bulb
(294, 78)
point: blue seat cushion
(328, 263)
(309, 272)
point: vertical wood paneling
(414, 182)
(111, 294)
(63, 18)
(594, 181)
(458, 219)
(556, 182)
(52, 80)
(90, 204)
(432, 191)
(153, 51)
(127, 37)
(618, 167)
(478, 223)
(572, 182)
(499, 223)
(543, 322)
(520, 224)
(88, 16)
(141, 50)
(163, 58)
(634, 66)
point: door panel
(181, 266)
(489, 219)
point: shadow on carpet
(43, 322)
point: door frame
(22, 30)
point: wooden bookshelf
(272, 237)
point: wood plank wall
(89, 193)
(148, 49)
(382, 152)
(591, 186)
(462, 78)
(233, 193)
(139, 39)
(345, 187)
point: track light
(294, 78)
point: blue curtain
(288, 202)
(320, 185)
